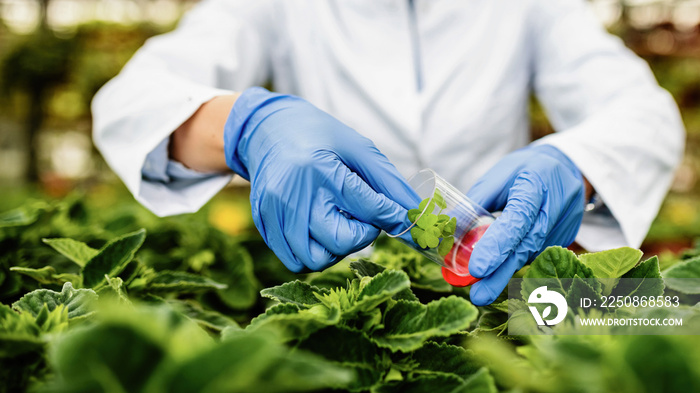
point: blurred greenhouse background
(55, 54)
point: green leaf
(55, 320)
(254, 362)
(354, 349)
(610, 265)
(492, 321)
(22, 216)
(237, 271)
(440, 226)
(445, 246)
(45, 275)
(6, 312)
(450, 227)
(409, 324)
(429, 240)
(431, 237)
(445, 359)
(183, 282)
(207, 318)
(646, 269)
(201, 260)
(97, 358)
(581, 288)
(79, 302)
(643, 280)
(407, 294)
(499, 306)
(332, 277)
(295, 292)
(555, 262)
(76, 251)
(684, 276)
(427, 221)
(413, 215)
(112, 258)
(427, 276)
(115, 286)
(131, 271)
(365, 268)
(231, 331)
(340, 298)
(427, 205)
(288, 322)
(480, 382)
(110, 357)
(520, 320)
(443, 232)
(660, 364)
(439, 200)
(381, 288)
(418, 236)
(422, 384)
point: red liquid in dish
(461, 258)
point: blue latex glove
(541, 193)
(319, 190)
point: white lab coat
(434, 83)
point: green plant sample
(433, 230)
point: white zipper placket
(415, 44)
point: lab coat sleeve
(220, 46)
(616, 124)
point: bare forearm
(198, 143)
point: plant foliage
(120, 301)
(433, 230)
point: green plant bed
(121, 301)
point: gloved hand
(541, 193)
(319, 190)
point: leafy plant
(384, 329)
(433, 230)
(156, 349)
(36, 318)
(77, 302)
(676, 277)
